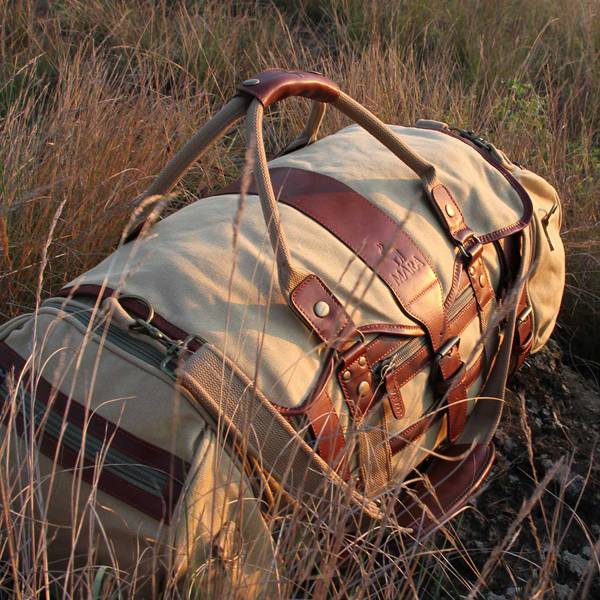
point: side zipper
(165, 361)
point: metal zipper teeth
(412, 347)
(115, 335)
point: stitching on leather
(351, 245)
(388, 326)
(395, 397)
(456, 206)
(329, 295)
(376, 342)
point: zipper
(413, 346)
(165, 361)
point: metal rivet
(482, 280)
(251, 82)
(362, 361)
(346, 375)
(363, 388)
(471, 271)
(450, 210)
(321, 309)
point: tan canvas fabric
(218, 513)
(193, 274)
(546, 280)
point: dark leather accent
(373, 235)
(326, 429)
(463, 236)
(355, 362)
(394, 392)
(450, 484)
(525, 219)
(480, 281)
(277, 84)
(523, 340)
(450, 214)
(159, 506)
(334, 328)
(393, 329)
(419, 427)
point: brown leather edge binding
(143, 452)
(525, 219)
(273, 85)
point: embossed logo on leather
(405, 267)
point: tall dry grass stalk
(96, 95)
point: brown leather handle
(273, 85)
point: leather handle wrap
(273, 85)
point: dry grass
(95, 95)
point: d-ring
(145, 302)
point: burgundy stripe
(132, 306)
(140, 451)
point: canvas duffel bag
(338, 318)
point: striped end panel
(140, 474)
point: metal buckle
(447, 347)
(468, 254)
(145, 302)
(174, 351)
(524, 315)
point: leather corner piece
(318, 308)
(273, 85)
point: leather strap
(397, 260)
(322, 312)
(272, 85)
(382, 245)
(523, 332)
(444, 489)
(327, 430)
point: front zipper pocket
(94, 320)
(404, 353)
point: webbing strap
(235, 404)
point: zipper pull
(546, 221)
(176, 349)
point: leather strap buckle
(447, 348)
(471, 248)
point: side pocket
(547, 280)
